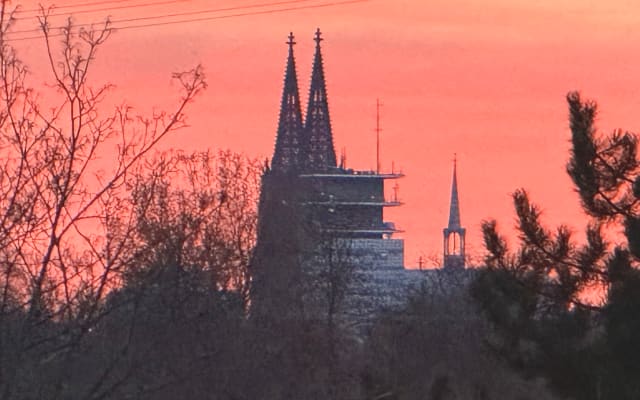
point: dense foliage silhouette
(569, 312)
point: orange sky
(485, 79)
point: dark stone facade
(321, 225)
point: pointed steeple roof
(454, 207)
(287, 156)
(319, 153)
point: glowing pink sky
(485, 79)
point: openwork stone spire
(319, 153)
(454, 233)
(289, 141)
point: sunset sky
(485, 79)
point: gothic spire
(454, 234)
(289, 141)
(320, 154)
(454, 207)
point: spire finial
(318, 37)
(290, 42)
(455, 168)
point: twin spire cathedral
(308, 146)
(337, 201)
(314, 215)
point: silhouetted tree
(544, 297)
(179, 315)
(196, 211)
(58, 260)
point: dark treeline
(141, 278)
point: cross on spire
(318, 37)
(290, 42)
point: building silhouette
(339, 201)
(454, 233)
(321, 224)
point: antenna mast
(378, 104)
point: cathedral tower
(309, 204)
(320, 153)
(288, 153)
(341, 202)
(454, 233)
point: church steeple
(454, 233)
(287, 156)
(454, 207)
(319, 153)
